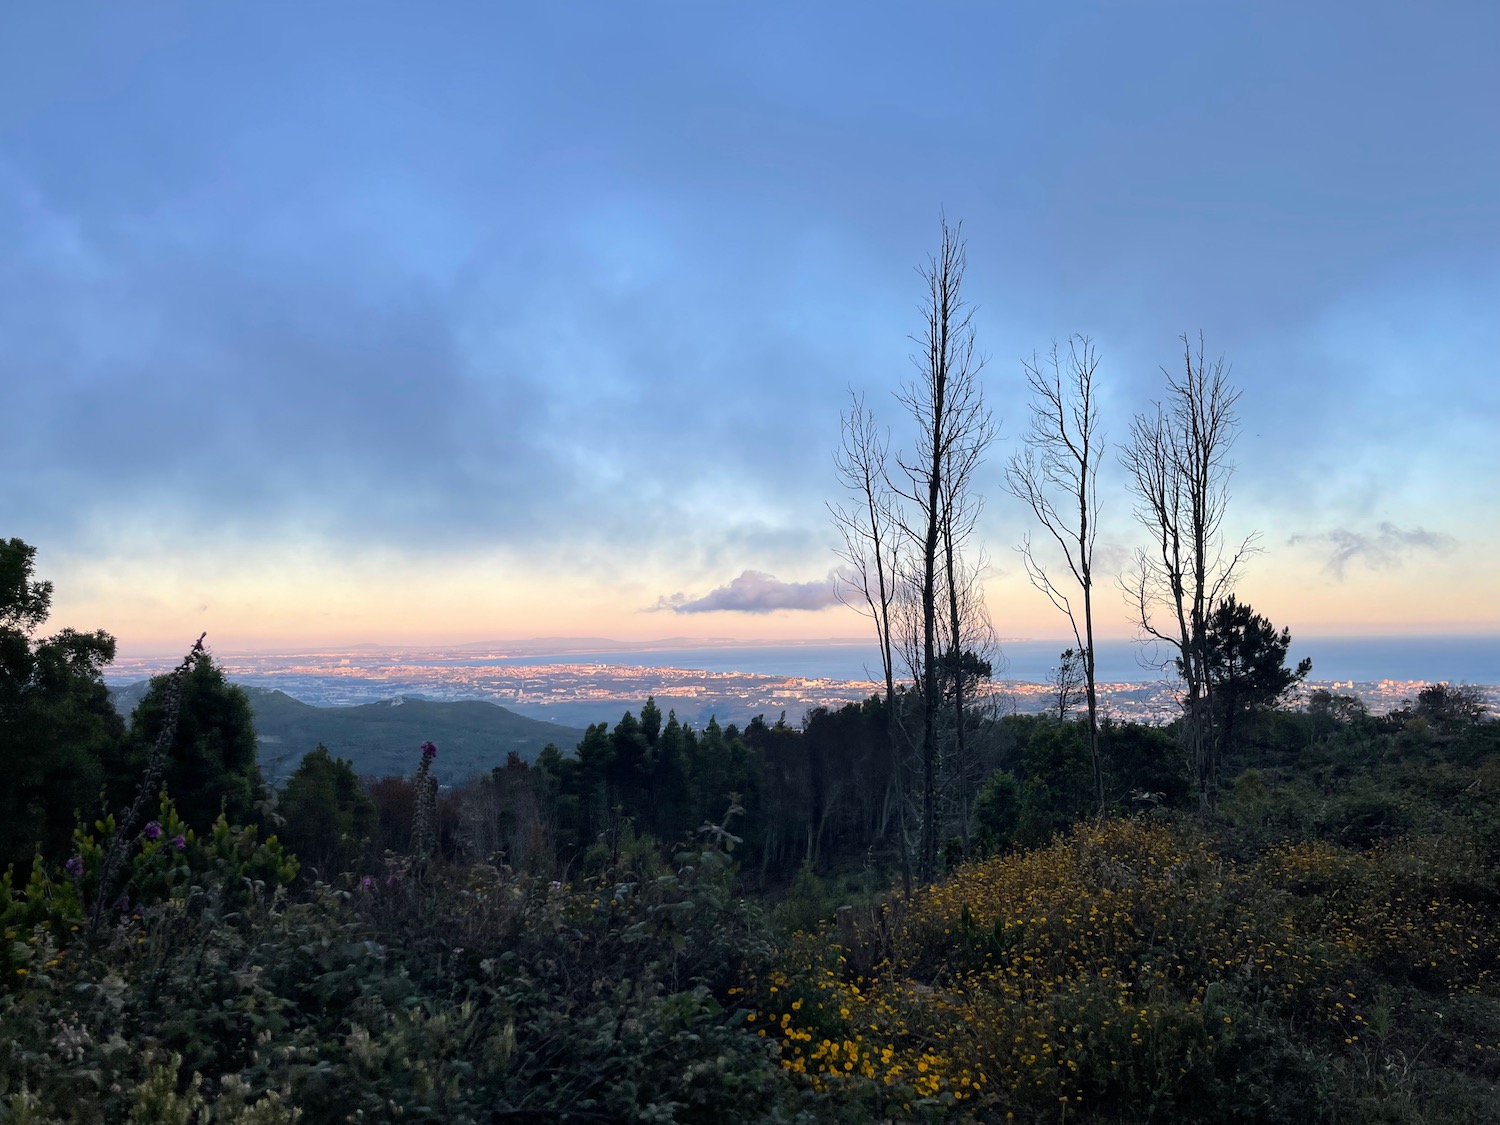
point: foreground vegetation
(1129, 972)
(1305, 956)
(591, 940)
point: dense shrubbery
(526, 949)
(1141, 968)
(1127, 972)
(165, 860)
(426, 992)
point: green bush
(211, 766)
(423, 991)
(59, 733)
(327, 819)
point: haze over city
(438, 326)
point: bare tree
(1067, 682)
(906, 533)
(870, 578)
(953, 428)
(1056, 475)
(503, 817)
(963, 670)
(1177, 459)
(967, 635)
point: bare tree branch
(911, 575)
(1056, 475)
(869, 582)
(1177, 460)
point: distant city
(731, 684)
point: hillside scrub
(1132, 969)
(1127, 972)
(428, 992)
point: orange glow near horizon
(308, 604)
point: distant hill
(382, 738)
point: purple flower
(180, 843)
(153, 831)
(368, 883)
(429, 750)
(74, 866)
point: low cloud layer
(1385, 547)
(754, 591)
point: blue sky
(377, 322)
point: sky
(340, 323)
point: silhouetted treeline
(821, 794)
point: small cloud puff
(1385, 547)
(755, 591)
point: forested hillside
(377, 738)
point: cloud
(293, 314)
(1387, 546)
(754, 591)
(231, 384)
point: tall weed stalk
(120, 846)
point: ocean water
(1468, 659)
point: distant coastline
(736, 682)
(1455, 658)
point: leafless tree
(871, 574)
(1177, 460)
(906, 532)
(502, 817)
(954, 427)
(1067, 682)
(966, 643)
(1056, 475)
(868, 527)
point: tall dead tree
(967, 620)
(871, 574)
(946, 403)
(966, 644)
(1056, 475)
(906, 531)
(1177, 460)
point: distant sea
(1467, 659)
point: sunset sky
(329, 323)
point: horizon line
(562, 646)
